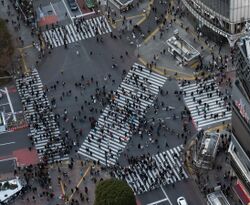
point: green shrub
(114, 192)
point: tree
(6, 47)
(114, 192)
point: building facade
(228, 18)
(239, 149)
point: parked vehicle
(72, 5)
(182, 201)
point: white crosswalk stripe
(207, 104)
(152, 171)
(115, 126)
(69, 33)
(44, 130)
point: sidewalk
(77, 183)
(154, 47)
(27, 51)
(126, 20)
(219, 176)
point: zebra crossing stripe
(53, 37)
(41, 142)
(44, 37)
(79, 34)
(97, 25)
(102, 27)
(88, 27)
(76, 33)
(138, 66)
(113, 128)
(82, 34)
(165, 170)
(205, 103)
(91, 27)
(107, 24)
(69, 34)
(48, 37)
(73, 32)
(86, 31)
(60, 40)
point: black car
(72, 5)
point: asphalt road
(185, 188)
(12, 141)
(98, 66)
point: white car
(182, 201)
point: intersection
(92, 95)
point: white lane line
(82, 15)
(4, 104)
(68, 11)
(11, 106)
(8, 159)
(166, 195)
(54, 11)
(79, 8)
(8, 143)
(157, 202)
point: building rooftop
(7, 193)
(124, 2)
(209, 143)
(183, 48)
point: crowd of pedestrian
(45, 125)
(44, 131)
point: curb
(168, 72)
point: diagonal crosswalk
(149, 172)
(74, 32)
(118, 120)
(207, 104)
(44, 131)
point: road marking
(111, 23)
(82, 15)
(28, 46)
(67, 11)
(4, 104)
(157, 202)
(146, 14)
(8, 143)
(79, 183)
(166, 195)
(54, 11)
(11, 106)
(78, 7)
(8, 159)
(160, 68)
(130, 17)
(62, 187)
(219, 127)
(151, 35)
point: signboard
(242, 108)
